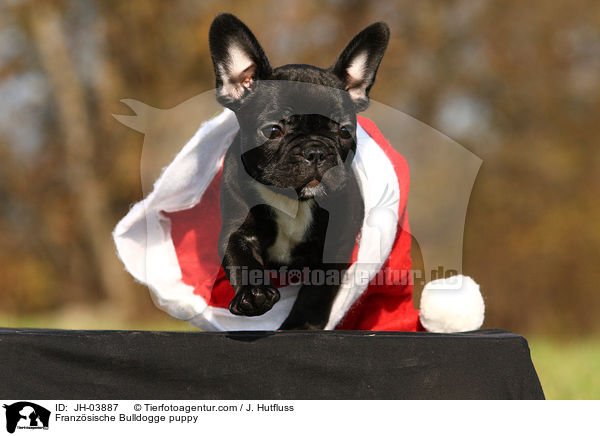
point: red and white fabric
(168, 241)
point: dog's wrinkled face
(297, 122)
(298, 136)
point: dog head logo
(442, 173)
(24, 414)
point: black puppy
(289, 196)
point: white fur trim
(377, 179)
(451, 305)
(143, 236)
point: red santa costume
(168, 241)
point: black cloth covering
(71, 364)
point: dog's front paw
(254, 300)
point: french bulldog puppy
(289, 197)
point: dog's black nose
(313, 154)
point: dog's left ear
(358, 63)
(238, 58)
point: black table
(73, 364)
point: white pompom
(452, 304)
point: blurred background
(516, 83)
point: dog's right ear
(238, 58)
(358, 63)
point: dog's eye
(272, 131)
(345, 132)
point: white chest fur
(293, 219)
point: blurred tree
(78, 142)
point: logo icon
(26, 415)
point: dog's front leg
(311, 309)
(241, 261)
